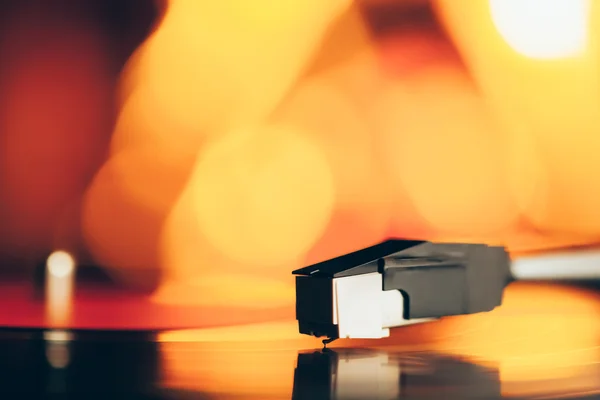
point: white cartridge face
(362, 309)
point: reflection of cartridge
(352, 374)
(398, 282)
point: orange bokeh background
(241, 141)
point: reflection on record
(353, 374)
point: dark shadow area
(93, 363)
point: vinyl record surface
(544, 342)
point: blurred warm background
(201, 150)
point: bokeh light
(59, 285)
(197, 273)
(60, 264)
(543, 29)
(263, 195)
